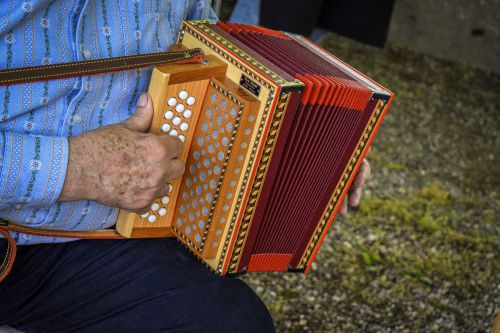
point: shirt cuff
(33, 168)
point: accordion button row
(183, 95)
(180, 108)
(156, 207)
(185, 113)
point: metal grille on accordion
(274, 129)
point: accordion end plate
(236, 274)
(297, 270)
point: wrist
(78, 184)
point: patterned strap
(98, 66)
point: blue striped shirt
(36, 119)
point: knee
(236, 308)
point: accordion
(274, 130)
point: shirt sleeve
(201, 10)
(32, 169)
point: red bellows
(322, 126)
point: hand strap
(98, 66)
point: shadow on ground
(422, 252)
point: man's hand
(354, 195)
(121, 165)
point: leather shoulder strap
(98, 66)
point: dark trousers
(150, 285)
(364, 20)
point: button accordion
(274, 130)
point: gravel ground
(421, 254)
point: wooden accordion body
(274, 130)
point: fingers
(368, 170)
(173, 146)
(176, 169)
(161, 192)
(355, 197)
(141, 211)
(362, 176)
(154, 194)
(343, 208)
(143, 115)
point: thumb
(141, 119)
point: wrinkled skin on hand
(353, 197)
(121, 165)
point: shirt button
(77, 119)
(87, 54)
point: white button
(173, 132)
(190, 100)
(179, 107)
(155, 206)
(183, 127)
(187, 114)
(165, 127)
(166, 199)
(170, 187)
(182, 137)
(172, 101)
(176, 121)
(183, 94)
(169, 114)
(145, 215)
(162, 212)
(152, 218)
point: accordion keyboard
(214, 165)
(178, 117)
